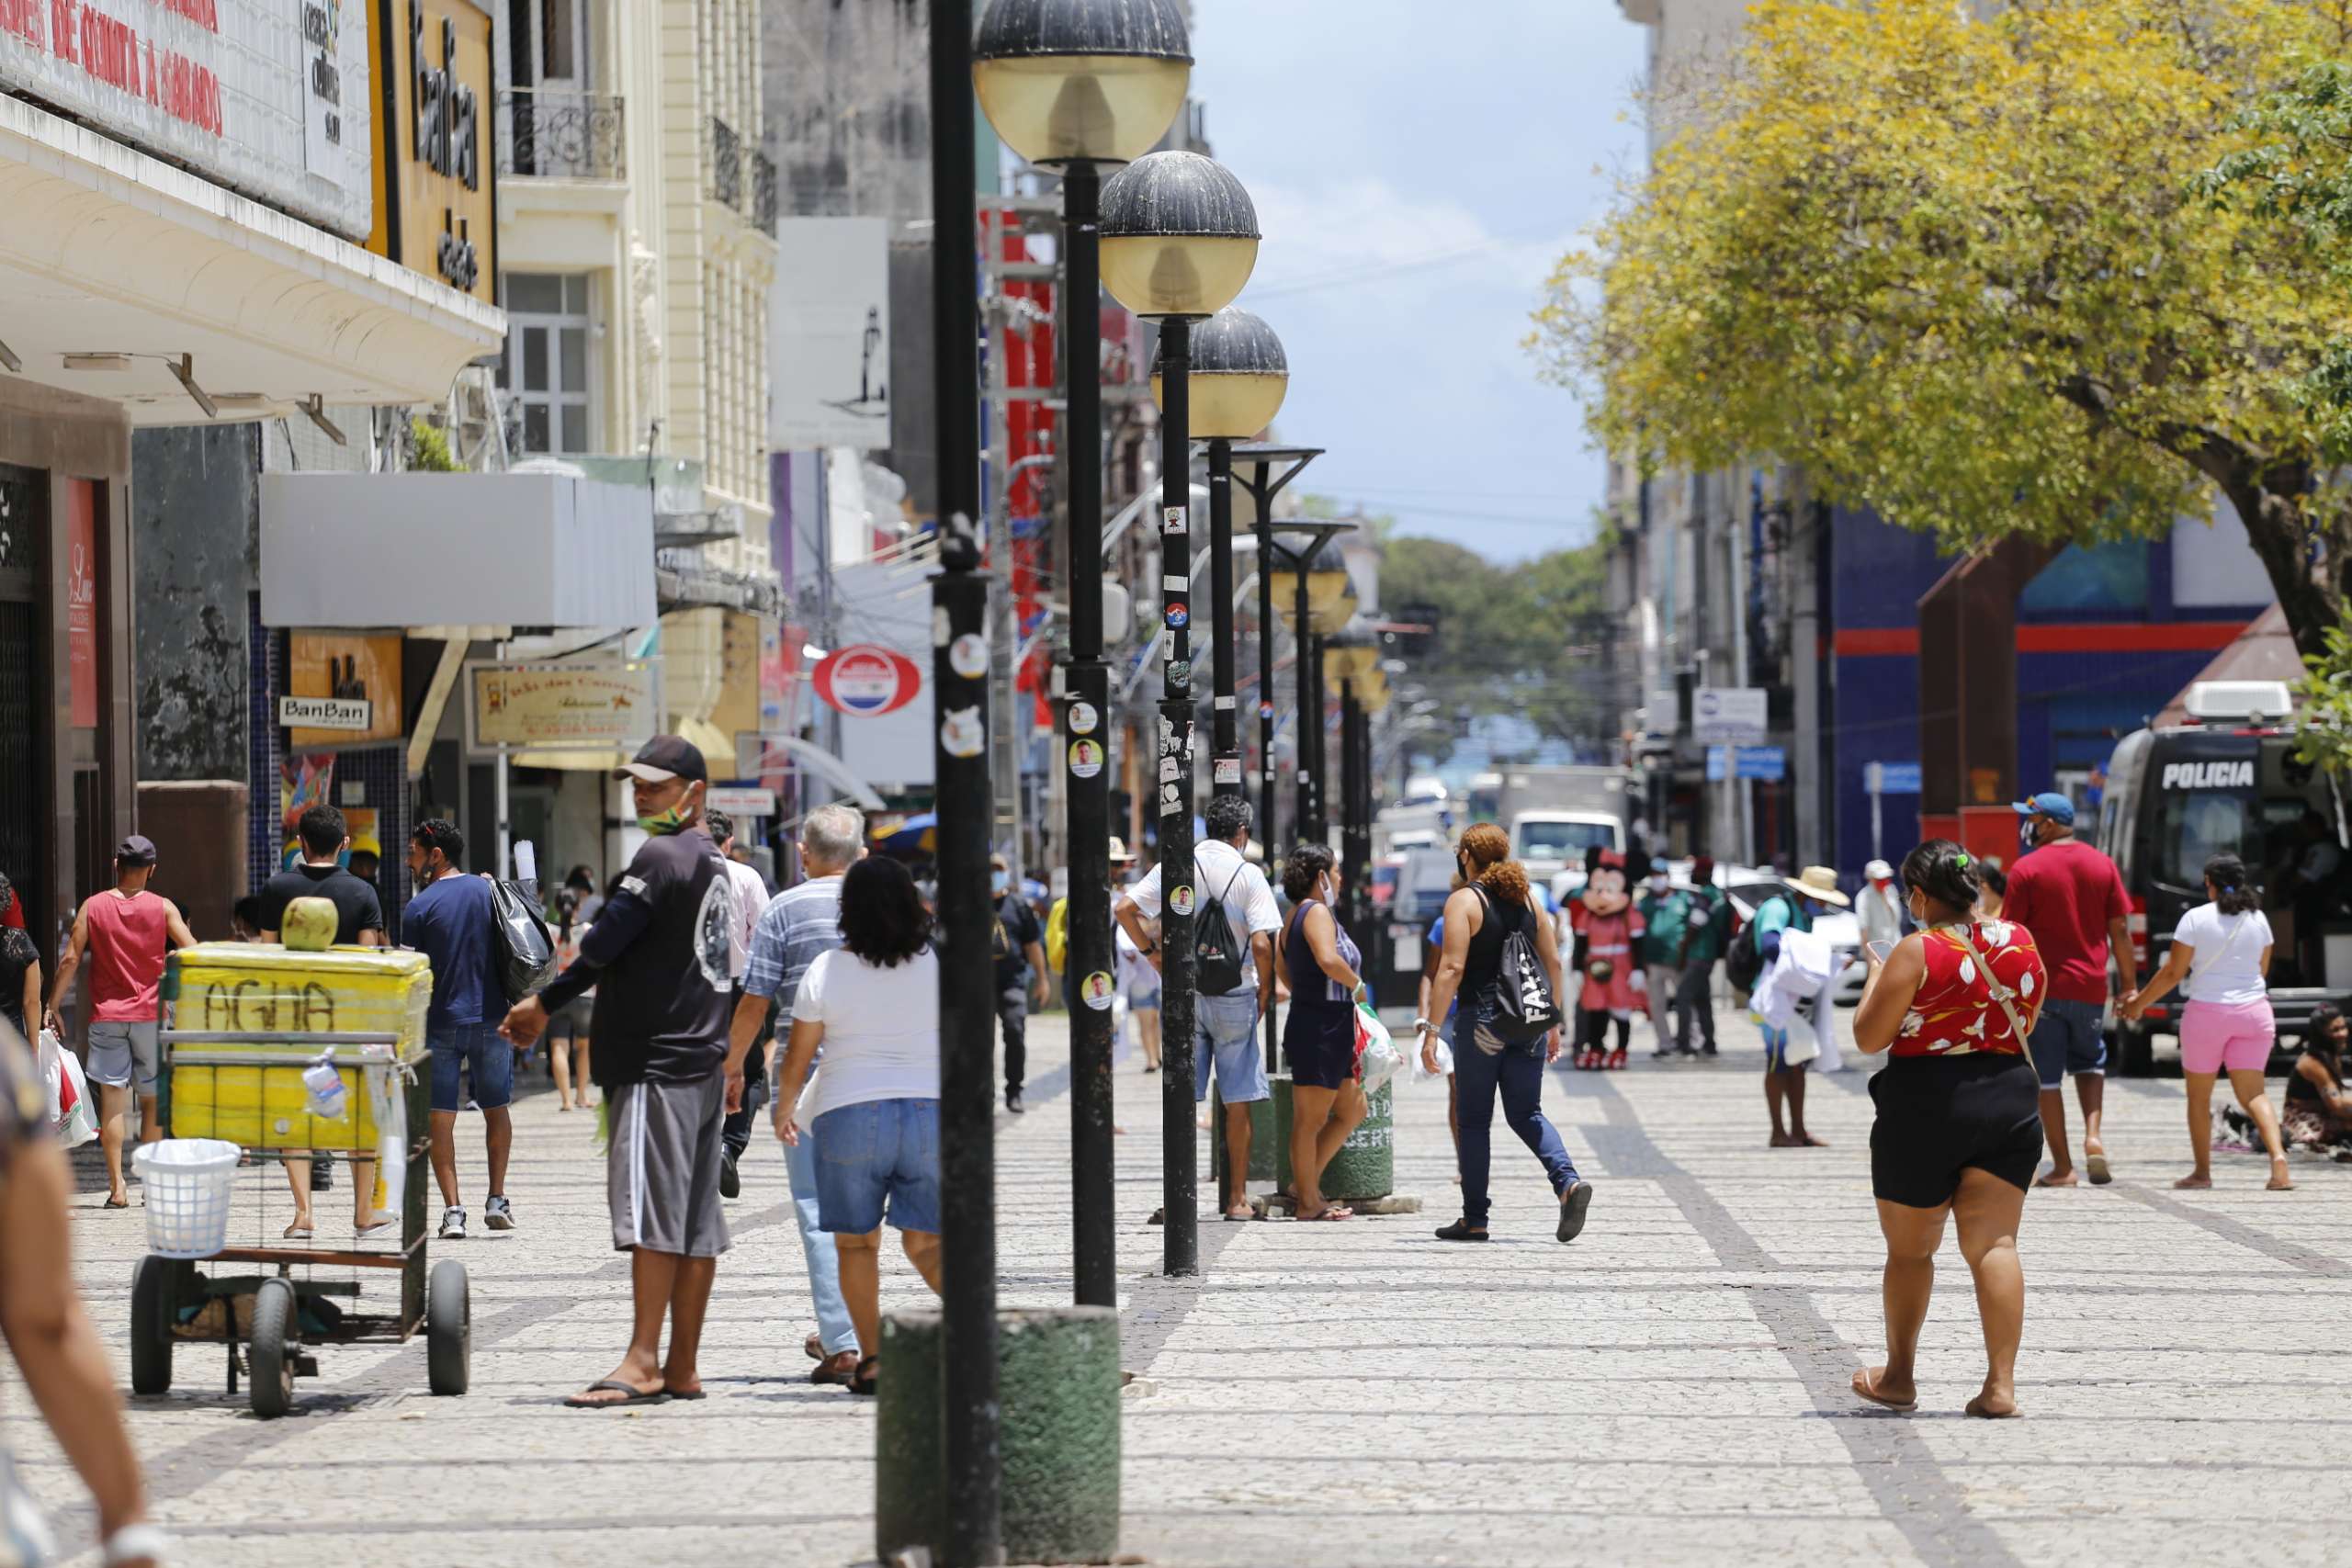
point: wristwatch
(1423, 1024)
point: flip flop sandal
(1233, 1218)
(298, 1233)
(116, 1203)
(828, 1371)
(1865, 1388)
(1331, 1212)
(697, 1393)
(2101, 1173)
(634, 1395)
(1976, 1407)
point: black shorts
(1940, 1115)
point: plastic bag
(1413, 1070)
(1376, 1054)
(71, 1114)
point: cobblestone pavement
(1672, 1387)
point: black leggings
(1591, 1027)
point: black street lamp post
(1309, 582)
(1180, 237)
(1258, 475)
(1076, 84)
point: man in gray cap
(659, 958)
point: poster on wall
(303, 781)
(347, 667)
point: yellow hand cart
(247, 1020)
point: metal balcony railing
(726, 164)
(561, 135)
(763, 193)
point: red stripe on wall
(2173, 636)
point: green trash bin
(1365, 1166)
(1059, 1389)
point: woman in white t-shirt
(2225, 1026)
(873, 1005)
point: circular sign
(1180, 900)
(1085, 758)
(863, 680)
(1083, 718)
(968, 656)
(1179, 616)
(1096, 990)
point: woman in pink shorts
(2222, 950)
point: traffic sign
(1768, 764)
(1891, 778)
(1729, 715)
(865, 680)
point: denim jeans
(834, 1329)
(1518, 1074)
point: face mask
(663, 824)
(999, 881)
(1659, 884)
(2026, 838)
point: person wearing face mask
(1017, 943)
(2071, 897)
(1958, 1130)
(1665, 916)
(1878, 906)
(658, 956)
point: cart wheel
(448, 1328)
(270, 1351)
(150, 1326)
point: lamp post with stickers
(1180, 237)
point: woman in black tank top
(1493, 904)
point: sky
(1418, 168)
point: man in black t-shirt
(360, 918)
(1016, 940)
(658, 956)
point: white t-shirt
(881, 1029)
(750, 900)
(2227, 968)
(1249, 906)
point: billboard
(272, 99)
(561, 705)
(829, 335)
(434, 209)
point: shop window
(547, 373)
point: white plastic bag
(71, 1115)
(1377, 1053)
(1413, 1070)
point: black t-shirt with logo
(1016, 926)
(658, 956)
(356, 908)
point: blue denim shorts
(1225, 1032)
(478, 1050)
(877, 1157)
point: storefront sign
(561, 704)
(336, 673)
(82, 599)
(863, 680)
(270, 97)
(434, 212)
(325, 713)
(742, 802)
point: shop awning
(138, 266)
(437, 549)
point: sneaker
(453, 1225)
(731, 1179)
(497, 1214)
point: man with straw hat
(1793, 909)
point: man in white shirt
(1225, 1023)
(750, 898)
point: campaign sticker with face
(1096, 990)
(1180, 900)
(1179, 616)
(1085, 759)
(961, 733)
(968, 656)
(1083, 718)
(1228, 770)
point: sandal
(815, 1345)
(298, 1231)
(1865, 1387)
(630, 1395)
(867, 1376)
(1331, 1212)
(1461, 1230)
(116, 1203)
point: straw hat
(1119, 850)
(1818, 882)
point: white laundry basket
(187, 1182)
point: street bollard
(1365, 1166)
(1058, 1386)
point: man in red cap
(126, 930)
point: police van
(2229, 782)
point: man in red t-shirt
(2071, 899)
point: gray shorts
(117, 1050)
(662, 1167)
(2066, 1039)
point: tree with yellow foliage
(1980, 273)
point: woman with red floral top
(1959, 1128)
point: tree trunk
(2279, 525)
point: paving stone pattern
(1671, 1388)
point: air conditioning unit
(2211, 702)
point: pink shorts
(2238, 1039)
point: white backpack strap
(2001, 993)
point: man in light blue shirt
(799, 923)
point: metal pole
(1085, 760)
(1319, 823)
(1301, 663)
(1266, 708)
(959, 597)
(1180, 1157)
(1224, 769)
